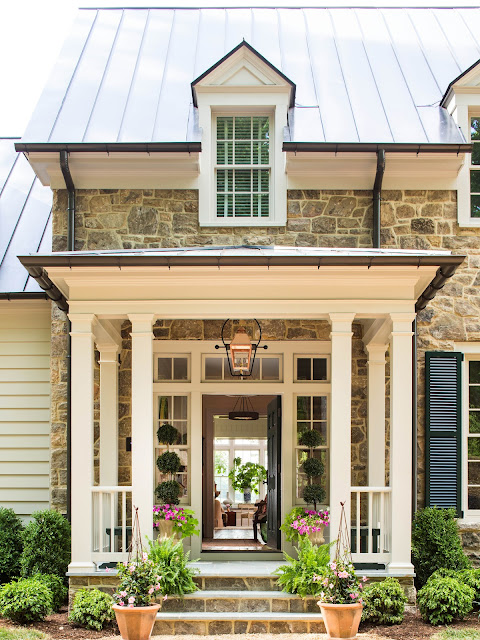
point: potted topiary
(246, 477)
(312, 468)
(135, 609)
(168, 463)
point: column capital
(108, 353)
(82, 323)
(376, 353)
(402, 323)
(341, 323)
(141, 322)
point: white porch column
(340, 417)
(376, 414)
(401, 440)
(108, 414)
(82, 362)
(142, 420)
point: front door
(274, 447)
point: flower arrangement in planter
(340, 600)
(246, 477)
(301, 522)
(168, 463)
(134, 608)
(182, 522)
(312, 467)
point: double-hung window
(242, 167)
(475, 168)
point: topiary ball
(310, 439)
(167, 433)
(168, 492)
(313, 493)
(168, 462)
(313, 467)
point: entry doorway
(232, 520)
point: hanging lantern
(241, 351)
(243, 410)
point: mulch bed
(412, 628)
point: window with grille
(473, 437)
(475, 170)
(242, 169)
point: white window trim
(310, 355)
(462, 108)
(247, 379)
(471, 351)
(172, 356)
(273, 104)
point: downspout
(377, 190)
(67, 176)
(414, 417)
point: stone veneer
(414, 219)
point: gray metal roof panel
(25, 218)
(362, 75)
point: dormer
(462, 100)
(242, 103)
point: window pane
(260, 127)
(474, 448)
(163, 408)
(474, 422)
(475, 206)
(226, 370)
(256, 370)
(474, 473)
(225, 128)
(270, 369)
(164, 369)
(213, 368)
(180, 368)
(321, 427)
(304, 408)
(475, 397)
(301, 428)
(304, 366)
(319, 369)
(474, 497)
(476, 153)
(475, 181)
(475, 128)
(180, 407)
(243, 153)
(474, 371)
(319, 408)
(248, 455)
(243, 128)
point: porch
(375, 289)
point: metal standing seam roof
(362, 75)
(25, 219)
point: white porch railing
(371, 519)
(111, 520)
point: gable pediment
(244, 68)
(466, 82)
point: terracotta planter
(316, 537)
(165, 530)
(136, 623)
(341, 620)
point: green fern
(299, 576)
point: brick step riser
(237, 584)
(241, 605)
(220, 627)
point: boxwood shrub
(443, 600)
(46, 544)
(25, 600)
(92, 609)
(11, 544)
(384, 602)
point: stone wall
(116, 219)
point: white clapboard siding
(25, 407)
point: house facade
(312, 170)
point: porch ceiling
(245, 281)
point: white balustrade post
(82, 363)
(142, 420)
(108, 414)
(376, 414)
(340, 417)
(401, 441)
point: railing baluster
(370, 522)
(100, 523)
(381, 538)
(358, 524)
(124, 521)
(113, 498)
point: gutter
(110, 147)
(444, 272)
(67, 176)
(24, 295)
(374, 147)
(51, 291)
(377, 190)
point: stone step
(241, 601)
(216, 623)
(237, 583)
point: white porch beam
(376, 414)
(142, 419)
(340, 417)
(108, 414)
(82, 441)
(401, 440)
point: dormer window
(242, 169)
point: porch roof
(39, 265)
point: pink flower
(343, 574)
(121, 603)
(157, 587)
(164, 598)
(131, 600)
(364, 579)
(353, 596)
(130, 606)
(150, 591)
(145, 556)
(107, 569)
(123, 594)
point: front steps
(232, 600)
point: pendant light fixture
(241, 351)
(243, 410)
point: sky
(32, 33)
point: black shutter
(443, 402)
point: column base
(401, 568)
(82, 567)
